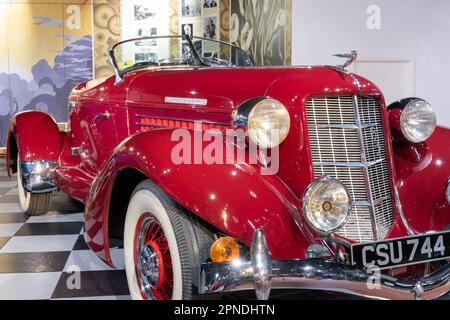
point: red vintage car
(220, 176)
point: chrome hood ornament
(351, 58)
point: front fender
(234, 198)
(422, 185)
(35, 136)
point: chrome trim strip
(346, 126)
(402, 214)
(356, 81)
(447, 191)
(350, 164)
(189, 101)
(316, 274)
(365, 168)
(375, 202)
(38, 176)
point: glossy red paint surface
(234, 198)
(422, 185)
(107, 128)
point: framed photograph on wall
(187, 29)
(143, 11)
(210, 28)
(191, 8)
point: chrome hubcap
(152, 260)
(149, 267)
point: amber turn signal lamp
(224, 249)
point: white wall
(410, 29)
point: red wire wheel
(153, 263)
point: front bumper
(262, 275)
(38, 176)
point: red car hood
(226, 88)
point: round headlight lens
(269, 123)
(418, 121)
(327, 205)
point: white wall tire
(184, 239)
(23, 195)
(32, 204)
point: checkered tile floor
(38, 255)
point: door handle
(105, 115)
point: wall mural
(107, 30)
(264, 29)
(46, 50)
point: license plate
(402, 252)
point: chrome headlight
(268, 122)
(418, 121)
(327, 205)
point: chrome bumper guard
(261, 274)
(38, 176)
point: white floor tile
(117, 256)
(8, 184)
(86, 260)
(10, 207)
(28, 286)
(57, 217)
(9, 229)
(40, 244)
(13, 192)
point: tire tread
(40, 204)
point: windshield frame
(198, 61)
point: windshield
(175, 51)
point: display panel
(47, 50)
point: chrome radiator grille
(348, 143)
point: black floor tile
(65, 205)
(49, 229)
(93, 284)
(3, 241)
(33, 262)
(13, 217)
(115, 244)
(80, 244)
